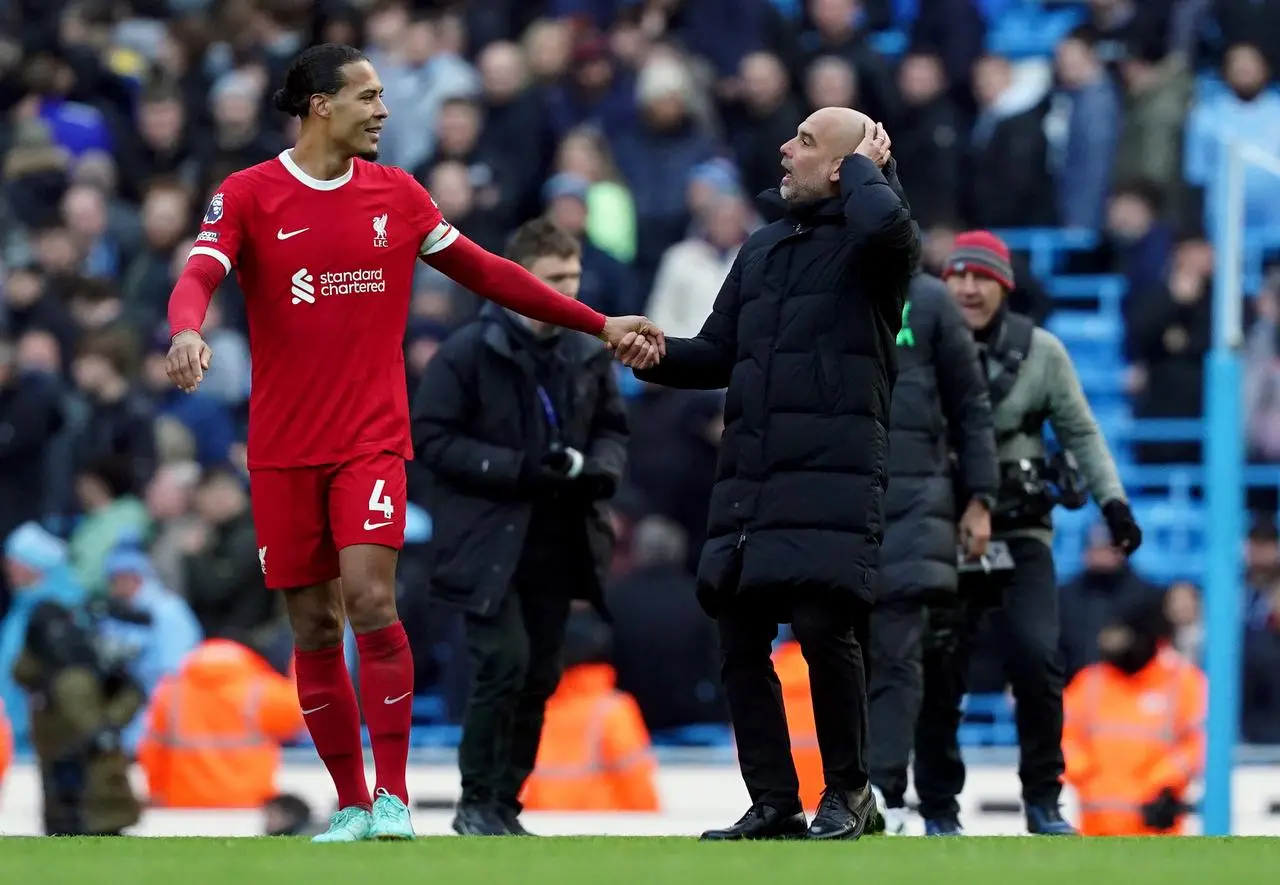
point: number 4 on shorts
(383, 506)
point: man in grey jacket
(1031, 380)
(940, 406)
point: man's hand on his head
(875, 145)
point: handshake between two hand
(635, 341)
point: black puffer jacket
(802, 334)
(940, 404)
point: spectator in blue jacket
(1249, 111)
(162, 644)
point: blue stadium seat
(433, 736)
(988, 721)
(1103, 382)
(1047, 245)
(1112, 411)
(1107, 289)
(1173, 531)
(712, 734)
(428, 709)
(1114, 417)
(1070, 537)
(1088, 334)
(1166, 430)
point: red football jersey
(327, 272)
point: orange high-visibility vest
(215, 729)
(793, 673)
(595, 753)
(1125, 738)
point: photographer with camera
(523, 434)
(81, 698)
(1031, 380)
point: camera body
(1031, 488)
(88, 637)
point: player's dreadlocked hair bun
(316, 71)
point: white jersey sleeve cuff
(212, 253)
(439, 239)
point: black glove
(1162, 812)
(1125, 533)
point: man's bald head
(842, 129)
(812, 159)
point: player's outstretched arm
(636, 341)
(189, 355)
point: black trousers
(515, 663)
(1026, 626)
(832, 634)
(895, 689)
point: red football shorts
(305, 515)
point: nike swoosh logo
(314, 710)
(395, 700)
(281, 235)
(370, 526)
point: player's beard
(366, 148)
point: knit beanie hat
(982, 253)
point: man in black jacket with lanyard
(940, 406)
(802, 334)
(524, 435)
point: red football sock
(386, 694)
(329, 705)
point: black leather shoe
(511, 820)
(761, 822)
(843, 815)
(478, 820)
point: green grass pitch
(622, 861)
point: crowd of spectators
(644, 127)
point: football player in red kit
(324, 244)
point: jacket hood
(220, 662)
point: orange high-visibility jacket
(793, 673)
(1126, 738)
(595, 753)
(215, 729)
